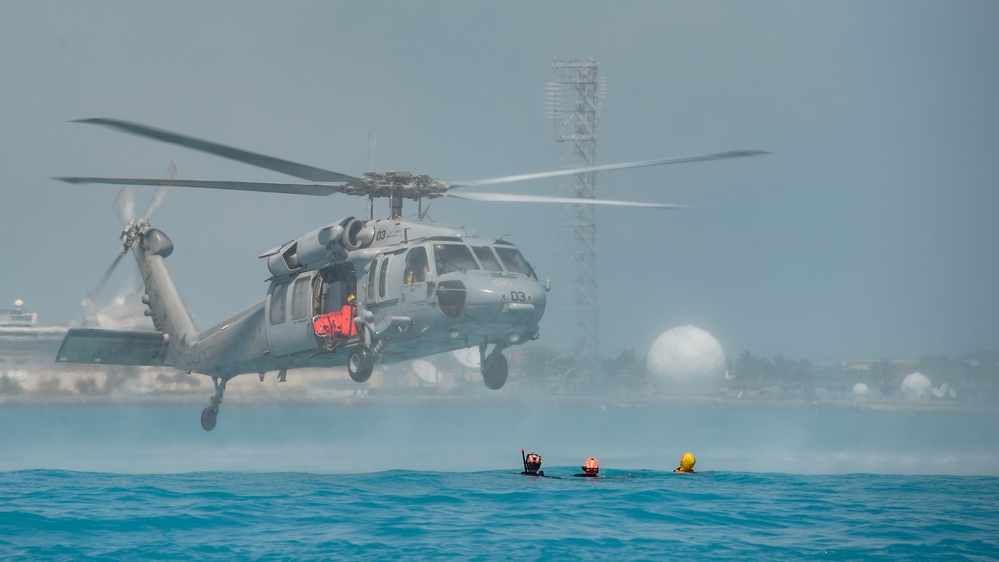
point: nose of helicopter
(517, 301)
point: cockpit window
(487, 258)
(514, 261)
(453, 257)
(417, 266)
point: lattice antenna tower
(573, 105)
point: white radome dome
(686, 360)
(860, 389)
(916, 386)
(469, 357)
(426, 371)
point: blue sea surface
(495, 515)
(419, 480)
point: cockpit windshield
(514, 261)
(453, 257)
(487, 258)
(450, 257)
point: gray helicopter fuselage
(419, 290)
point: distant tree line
(974, 377)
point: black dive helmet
(532, 462)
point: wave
(495, 514)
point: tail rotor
(124, 207)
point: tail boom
(166, 306)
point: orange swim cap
(592, 466)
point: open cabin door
(292, 304)
(332, 287)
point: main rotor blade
(154, 203)
(605, 167)
(292, 188)
(124, 205)
(517, 198)
(252, 158)
(159, 194)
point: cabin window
(453, 257)
(382, 274)
(371, 281)
(300, 299)
(514, 261)
(487, 258)
(278, 297)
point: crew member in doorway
(345, 326)
(686, 463)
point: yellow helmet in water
(687, 462)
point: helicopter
(352, 293)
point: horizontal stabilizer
(113, 347)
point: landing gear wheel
(209, 417)
(360, 363)
(495, 370)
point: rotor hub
(398, 184)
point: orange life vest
(336, 324)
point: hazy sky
(870, 231)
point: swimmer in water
(686, 463)
(590, 468)
(532, 464)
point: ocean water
(410, 479)
(495, 515)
